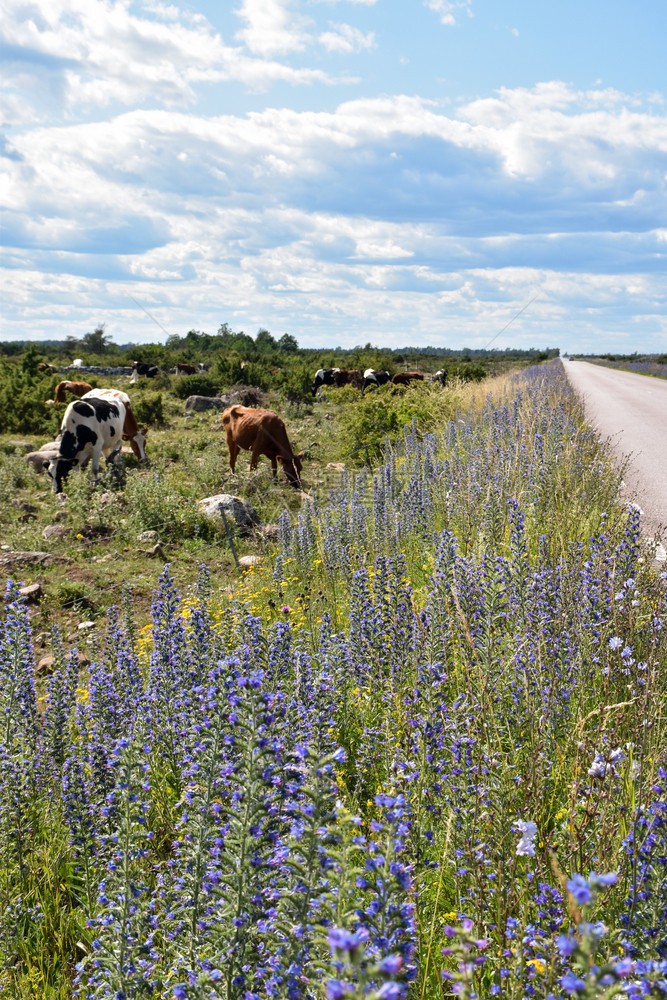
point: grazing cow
(74, 389)
(261, 432)
(440, 376)
(373, 379)
(142, 368)
(185, 369)
(131, 432)
(323, 376)
(346, 376)
(90, 428)
(405, 378)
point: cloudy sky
(394, 171)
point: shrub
(204, 384)
(148, 408)
(365, 421)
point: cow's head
(292, 467)
(138, 443)
(59, 468)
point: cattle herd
(369, 379)
(96, 423)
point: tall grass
(423, 755)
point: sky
(434, 172)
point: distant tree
(288, 344)
(97, 342)
(265, 341)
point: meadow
(417, 751)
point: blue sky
(345, 171)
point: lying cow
(323, 376)
(73, 388)
(131, 432)
(405, 378)
(261, 432)
(90, 428)
(373, 379)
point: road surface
(631, 410)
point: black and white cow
(90, 428)
(144, 369)
(324, 376)
(373, 379)
(440, 376)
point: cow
(185, 369)
(74, 389)
(373, 379)
(131, 432)
(90, 428)
(405, 378)
(440, 376)
(261, 432)
(349, 377)
(43, 367)
(142, 368)
(323, 376)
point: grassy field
(417, 750)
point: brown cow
(43, 367)
(261, 432)
(74, 388)
(131, 432)
(182, 368)
(405, 378)
(346, 376)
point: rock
(200, 403)
(157, 550)
(338, 466)
(33, 558)
(245, 562)
(27, 507)
(38, 459)
(32, 592)
(305, 496)
(84, 626)
(46, 664)
(235, 508)
(148, 536)
(54, 532)
(60, 515)
(272, 532)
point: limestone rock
(245, 562)
(55, 532)
(32, 592)
(235, 509)
(200, 403)
(148, 536)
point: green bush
(204, 384)
(148, 408)
(295, 383)
(150, 503)
(365, 421)
(23, 395)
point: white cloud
(90, 53)
(383, 214)
(272, 27)
(345, 38)
(448, 10)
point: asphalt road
(631, 410)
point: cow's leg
(258, 449)
(233, 452)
